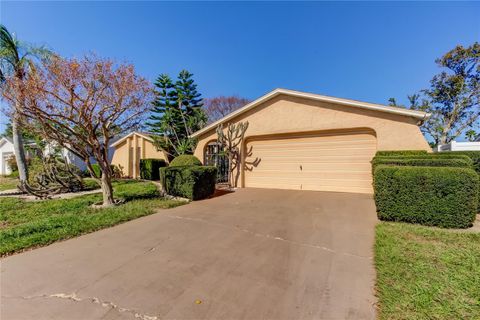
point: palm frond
(9, 44)
(40, 52)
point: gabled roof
(4, 140)
(346, 102)
(141, 134)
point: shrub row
(474, 155)
(401, 153)
(150, 168)
(422, 162)
(192, 182)
(445, 155)
(436, 196)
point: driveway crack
(268, 236)
(94, 300)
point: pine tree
(190, 102)
(176, 114)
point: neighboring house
(71, 158)
(305, 141)
(7, 152)
(459, 146)
(130, 149)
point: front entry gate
(215, 156)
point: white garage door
(327, 162)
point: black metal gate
(215, 156)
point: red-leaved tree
(218, 107)
(82, 104)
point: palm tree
(16, 60)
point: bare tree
(218, 107)
(82, 104)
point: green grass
(26, 224)
(7, 183)
(427, 273)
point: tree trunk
(443, 138)
(107, 189)
(18, 148)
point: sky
(368, 51)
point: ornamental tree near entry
(82, 104)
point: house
(71, 158)
(128, 151)
(459, 146)
(6, 152)
(304, 141)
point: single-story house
(71, 158)
(7, 152)
(459, 146)
(128, 151)
(305, 141)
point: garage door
(324, 162)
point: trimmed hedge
(419, 162)
(474, 155)
(401, 153)
(150, 168)
(442, 196)
(192, 182)
(431, 156)
(185, 160)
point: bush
(35, 169)
(14, 174)
(473, 155)
(192, 182)
(419, 162)
(117, 173)
(185, 160)
(431, 156)
(96, 170)
(12, 163)
(397, 153)
(442, 196)
(150, 168)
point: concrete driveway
(252, 254)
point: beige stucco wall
(286, 114)
(128, 161)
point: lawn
(427, 273)
(29, 224)
(7, 183)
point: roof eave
(116, 143)
(364, 105)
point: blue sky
(367, 51)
